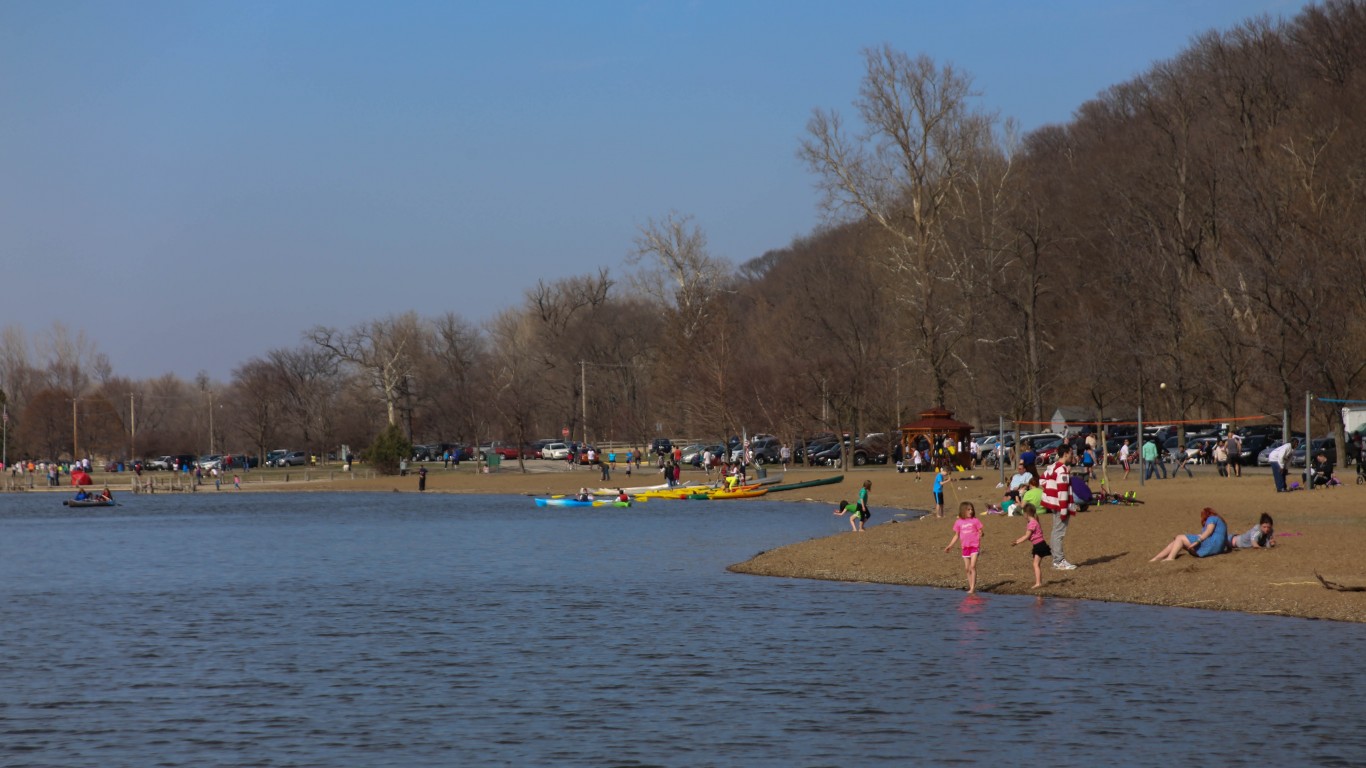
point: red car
(509, 452)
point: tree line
(1198, 226)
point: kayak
(748, 492)
(809, 483)
(642, 490)
(577, 503)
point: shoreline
(1319, 533)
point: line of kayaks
(689, 491)
(573, 502)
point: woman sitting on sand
(1260, 536)
(1212, 540)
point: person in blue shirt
(1028, 457)
(1212, 539)
(939, 492)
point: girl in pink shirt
(968, 529)
(1034, 534)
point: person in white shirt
(1280, 457)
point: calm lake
(225, 629)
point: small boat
(644, 489)
(566, 502)
(808, 483)
(89, 503)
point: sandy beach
(1319, 533)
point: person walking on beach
(917, 459)
(1125, 456)
(1235, 454)
(237, 482)
(1280, 457)
(968, 529)
(1221, 458)
(1057, 497)
(939, 491)
(785, 454)
(855, 518)
(1034, 535)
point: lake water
(405, 630)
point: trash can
(495, 461)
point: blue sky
(193, 183)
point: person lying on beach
(1212, 539)
(1259, 536)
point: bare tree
(903, 171)
(381, 350)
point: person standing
(863, 510)
(1182, 461)
(939, 491)
(422, 479)
(1221, 458)
(1125, 457)
(785, 453)
(1235, 454)
(1152, 459)
(1057, 497)
(1280, 457)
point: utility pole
(583, 397)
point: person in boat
(622, 496)
(584, 495)
(106, 494)
(81, 495)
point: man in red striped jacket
(1057, 497)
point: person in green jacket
(1153, 460)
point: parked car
(1326, 445)
(213, 461)
(555, 451)
(273, 457)
(693, 454)
(292, 459)
(1252, 445)
(1264, 456)
(661, 445)
(534, 450)
(765, 450)
(160, 462)
(504, 450)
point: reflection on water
(430, 631)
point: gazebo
(933, 427)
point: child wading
(856, 516)
(1034, 534)
(968, 529)
(863, 510)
